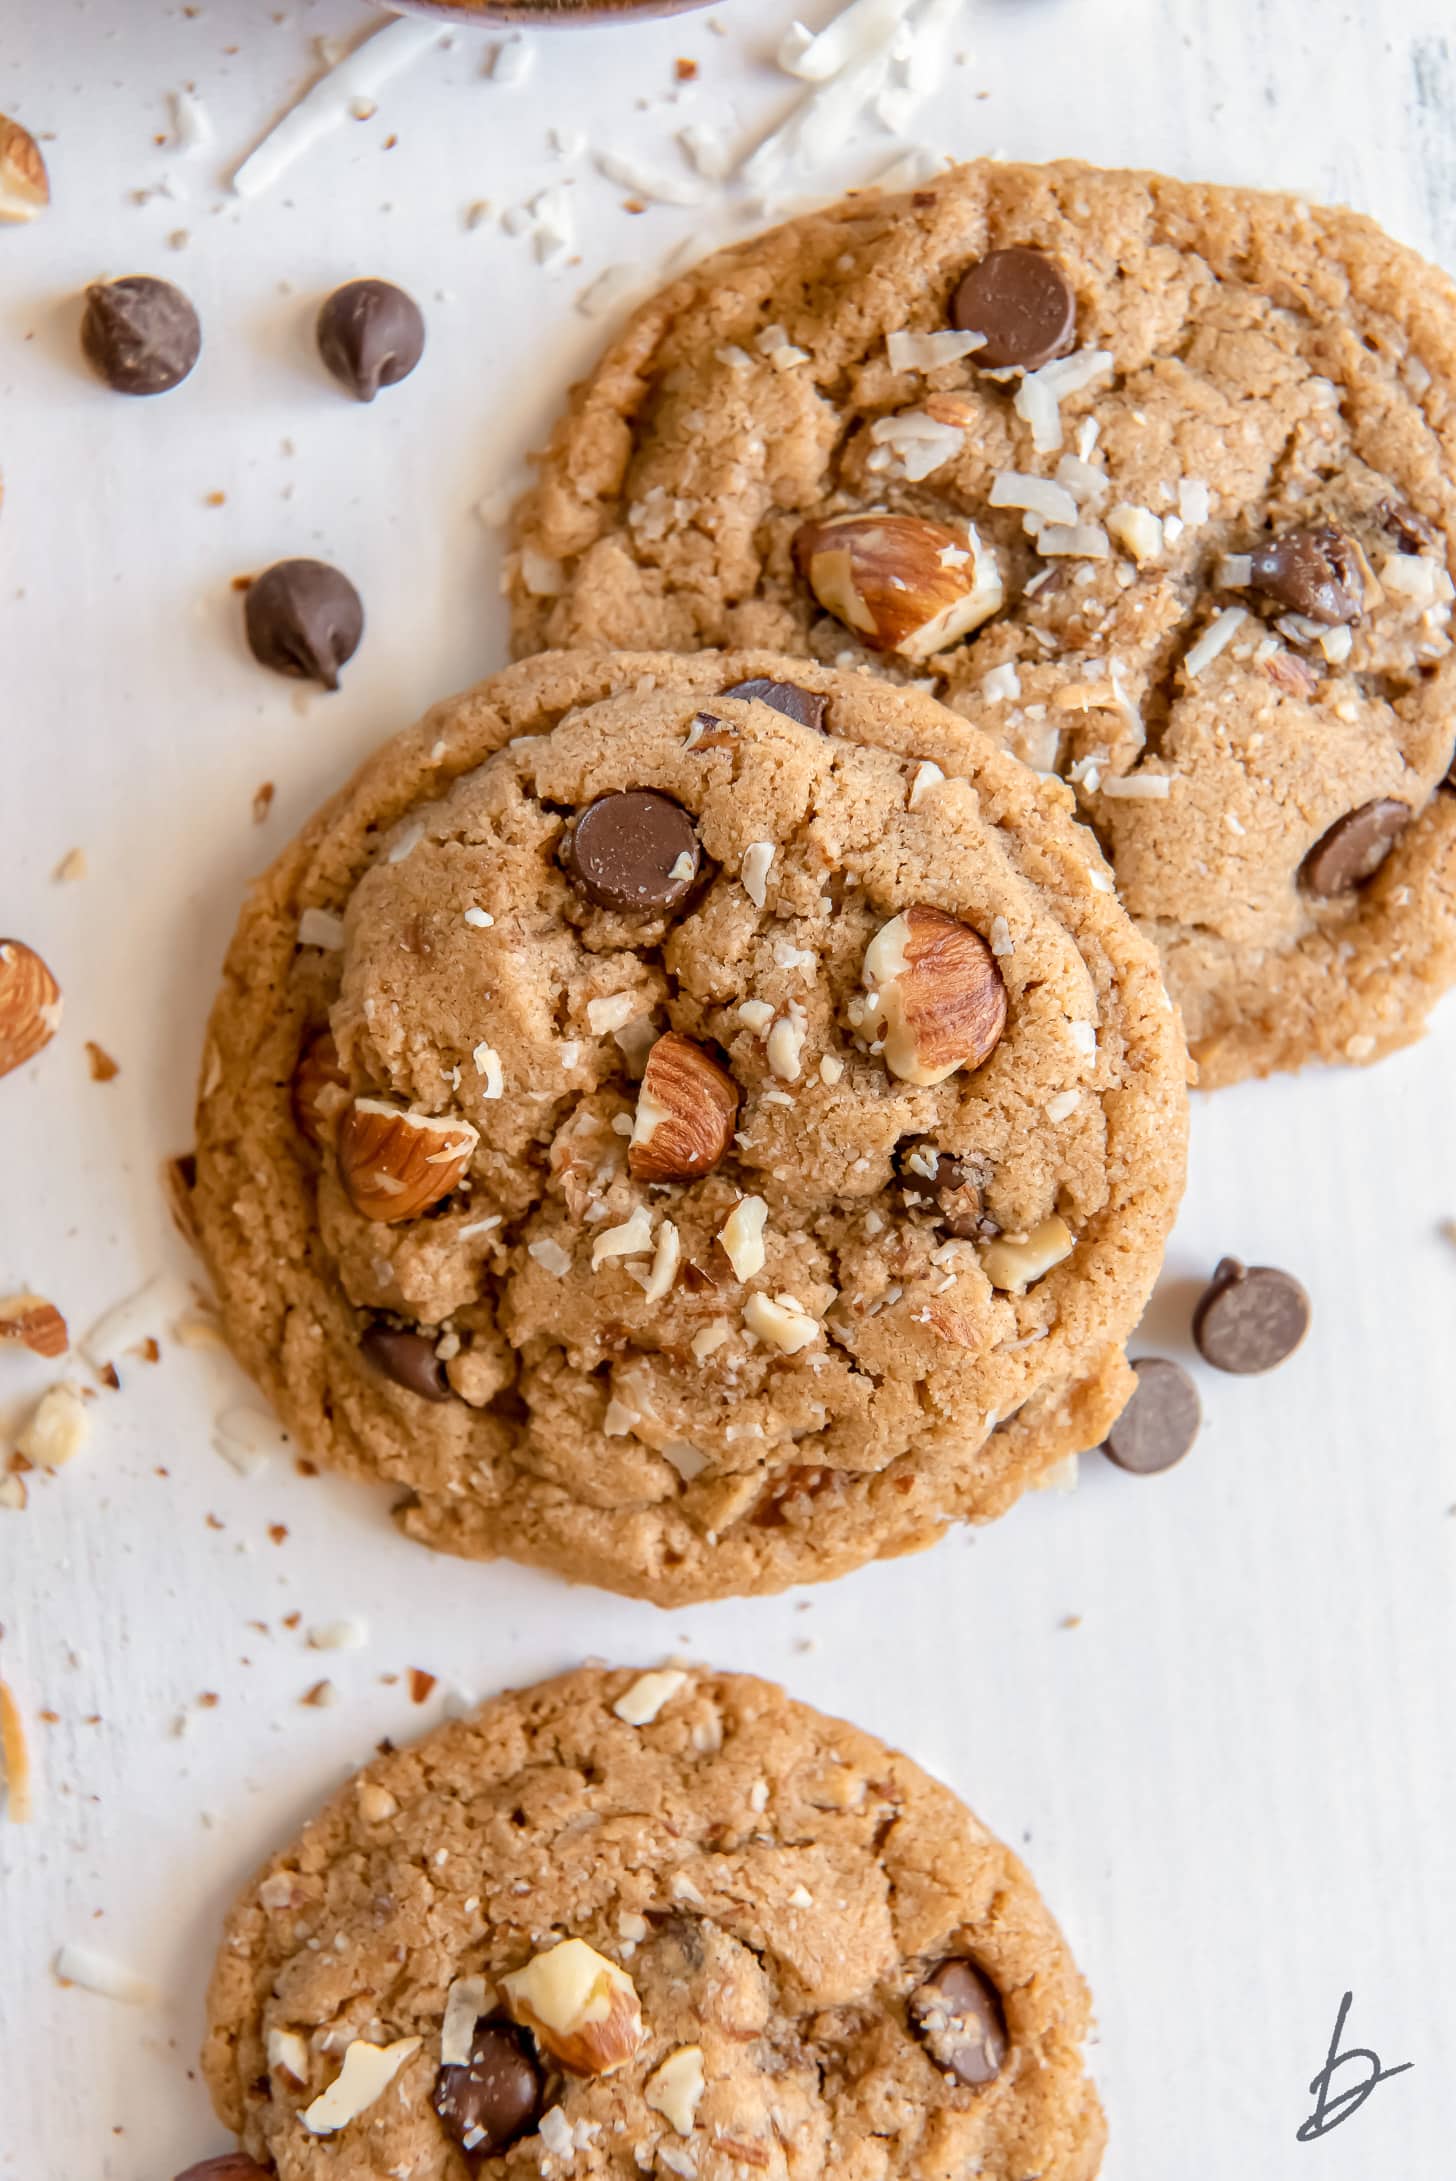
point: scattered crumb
(278, 1532)
(109, 1377)
(34, 1323)
(321, 1695)
(71, 867)
(148, 1350)
(15, 1752)
(1070, 1620)
(263, 802)
(95, 1973)
(208, 1700)
(633, 204)
(292, 1620)
(242, 583)
(420, 1683)
(103, 1068)
(685, 70)
(215, 499)
(57, 1430)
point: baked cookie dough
(667, 1923)
(1154, 481)
(697, 1124)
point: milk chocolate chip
(1160, 1422)
(1313, 572)
(496, 2099)
(957, 2013)
(370, 334)
(1355, 847)
(633, 850)
(141, 335)
(807, 706)
(408, 1358)
(303, 618)
(1022, 301)
(1250, 1317)
(933, 1180)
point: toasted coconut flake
(15, 1752)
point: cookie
(691, 1128)
(668, 1923)
(1155, 482)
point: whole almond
(320, 1090)
(25, 190)
(686, 1109)
(938, 994)
(30, 1004)
(35, 1323)
(395, 1163)
(901, 583)
(582, 2009)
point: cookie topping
(957, 2013)
(675, 2089)
(1013, 1262)
(408, 1358)
(686, 1109)
(1160, 1422)
(1313, 572)
(640, 1705)
(1354, 847)
(901, 583)
(1250, 1317)
(370, 334)
(807, 706)
(395, 1162)
(581, 2008)
(366, 2074)
(950, 1187)
(1022, 302)
(633, 850)
(141, 335)
(495, 2098)
(305, 619)
(25, 189)
(320, 1090)
(30, 1004)
(938, 995)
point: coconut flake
(1038, 495)
(665, 1262)
(757, 858)
(1139, 787)
(928, 776)
(511, 61)
(742, 1237)
(1002, 684)
(1219, 633)
(1073, 541)
(910, 351)
(191, 122)
(914, 441)
(1041, 393)
(649, 181)
(325, 106)
(1137, 530)
(1234, 572)
(488, 1065)
(465, 2002)
(613, 1011)
(98, 1973)
(366, 2074)
(1194, 501)
(631, 1238)
(245, 1437)
(609, 290)
(320, 928)
(858, 32)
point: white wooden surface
(1235, 1777)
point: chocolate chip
(1412, 533)
(488, 2105)
(1023, 302)
(1355, 847)
(1250, 1317)
(409, 1359)
(231, 2166)
(141, 335)
(807, 706)
(1313, 572)
(303, 618)
(1160, 1422)
(932, 1179)
(957, 2013)
(370, 334)
(634, 850)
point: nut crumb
(103, 1068)
(263, 802)
(420, 1684)
(71, 867)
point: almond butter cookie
(1155, 482)
(698, 1124)
(666, 1923)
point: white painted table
(1235, 1777)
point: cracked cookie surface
(671, 1923)
(1205, 535)
(682, 1146)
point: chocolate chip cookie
(1156, 482)
(666, 1923)
(698, 1124)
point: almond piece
(581, 2008)
(686, 1109)
(938, 995)
(37, 1324)
(24, 187)
(901, 583)
(395, 1163)
(320, 1090)
(1013, 1266)
(30, 1004)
